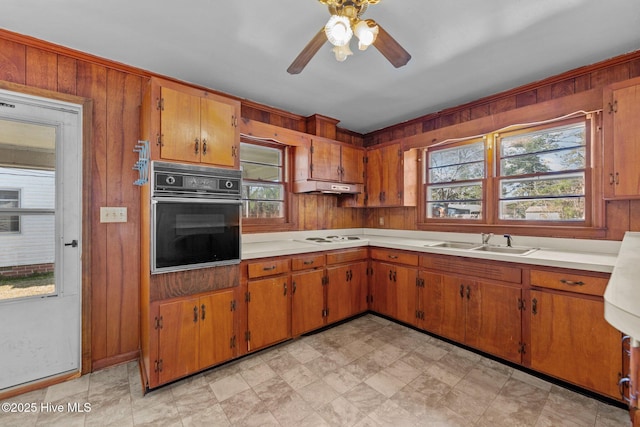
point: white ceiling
(461, 50)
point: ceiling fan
(344, 23)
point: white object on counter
(622, 296)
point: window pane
(460, 172)
(262, 209)
(457, 155)
(258, 191)
(553, 161)
(560, 209)
(261, 172)
(260, 154)
(454, 210)
(564, 185)
(455, 192)
(545, 140)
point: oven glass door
(195, 233)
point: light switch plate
(113, 214)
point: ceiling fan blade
(391, 49)
(307, 53)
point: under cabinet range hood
(310, 186)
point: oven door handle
(155, 200)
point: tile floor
(367, 372)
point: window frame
(588, 193)
(17, 208)
(258, 224)
(591, 226)
(483, 182)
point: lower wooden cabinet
(307, 301)
(268, 311)
(346, 291)
(193, 334)
(571, 340)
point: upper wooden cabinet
(391, 176)
(622, 140)
(188, 125)
(332, 161)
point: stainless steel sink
(505, 249)
(455, 245)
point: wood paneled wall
(116, 92)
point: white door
(40, 245)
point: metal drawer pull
(393, 256)
(195, 314)
(308, 262)
(571, 282)
(624, 382)
(273, 267)
(461, 291)
(202, 308)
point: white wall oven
(195, 217)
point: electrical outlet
(113, 214)
(381, 220)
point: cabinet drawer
(347, 255)
(399, 257)
(569, 282)
(268, 268)
(304, 262)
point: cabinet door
(622, 136)
(571, 340)
(178, 339)
(494, 319)
(338, 293)
(352, 164)
(375, 165)
(431, 302)
(393, 173)
(218, 133)
(307, 301)
(216, 329)
(382, 289)
(268, 311)
(358, 287)
(180, 126)
(325, 161)
(406, 293)
(453, 310)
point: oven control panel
(195, 180)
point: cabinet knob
(204, 146)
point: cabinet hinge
(159, 140)
(311, 149)
(157, 365)
(522, 348)
(399, 152)
(365, 159)
(158, 322)
(247, 297)
(311, 167)
(613, 107)
(232, 342)
(233, 305)
(247, 336)
(234, 121)
(160, 104)
(234, 151)
(325, 312)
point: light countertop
(581, 254)
(622, 296)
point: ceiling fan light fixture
(338, 30)
(366, 35)
(342, 52)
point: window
(542, 174)
(531, 175)
(9, 199)
(263, 183)
(455, 181)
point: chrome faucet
(509, 239)
(486, 237)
